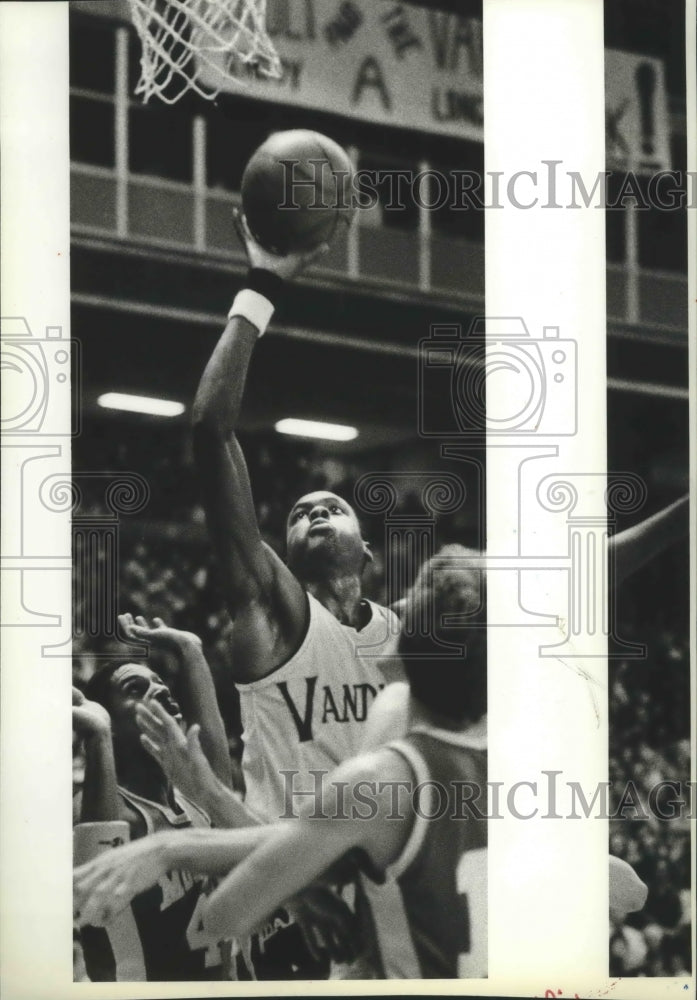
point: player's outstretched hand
(287, 266)
(327, 923)
(103, 887)
(179, 754)
(89, 718)
(158, 634)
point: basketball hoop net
(183, 39)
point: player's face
(135, 684)
(323, 533)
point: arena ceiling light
(316, 429)
(141, 404)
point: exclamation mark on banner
(646, 82)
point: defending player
(127, 796)
(460, 574)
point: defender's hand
(158, 634)
(179, 755)
(284, 267)
(104, 887)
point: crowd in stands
(649, 703)
(165, 569)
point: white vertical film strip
(545, 272)
(545, 302)
(36, 771)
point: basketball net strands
(183, 39)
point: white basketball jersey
(309, 713)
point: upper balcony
(142, 178)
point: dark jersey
(278, 951)
(430, 916)
(159, 936)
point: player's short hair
(448, 562)
(98, 687)
(454, 686)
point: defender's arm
(631, 549)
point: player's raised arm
(264, 598)
(100, 801)
(629, 550)
(221, 465)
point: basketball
(296, 191)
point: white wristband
(254, 307)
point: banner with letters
(410, 67)
(377, 60)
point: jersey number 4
(471, 881)
(197, 938)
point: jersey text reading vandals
(349, 704)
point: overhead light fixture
(316, 429)
(141, 404)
